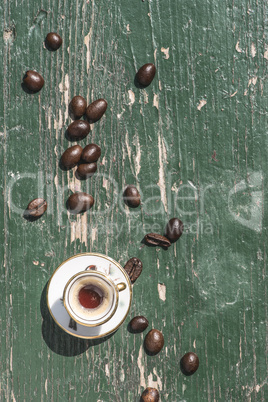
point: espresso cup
(91, 298)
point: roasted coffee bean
(131, 196)
(33, 81)
(78, 130)
(36, 208)
(53, 41)
(78, 106)
(86, 170)
(91, 153)
(78, 203)
(71, 157)
(189, 363)
(138, 324)
(174, 229)
(96, 110)
(154, 341)
(150, 395)
(133, 268)
(146, 74)
(154, 239)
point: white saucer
(72, 266)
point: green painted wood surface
(195, 144)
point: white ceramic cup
(92, 317)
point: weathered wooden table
(194, 142)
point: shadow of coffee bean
(26, 90)
(129, 329)
(144, 242)
(28, 217)
(78, 177)
(63, 167)
(137, 84)
(71, 114)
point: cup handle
(121, 286)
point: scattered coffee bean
(78, 106)
(96, 110)
(36, 208)
(91, 153)
(154, 239)
(53, 41)
(33, 81)
(78, 130)
(189, 363)
(146, 74)
(133, 268)
(154, 341)
(131, 196)
(150, 395)
(78, 203)
(174, 229)
(71, 157)
(86, 170)
(138, 324)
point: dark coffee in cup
(90, 296)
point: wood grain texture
(195, 145)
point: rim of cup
(76, 317)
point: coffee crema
(91, 298)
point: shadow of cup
(57, 339)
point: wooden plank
(194, 142)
